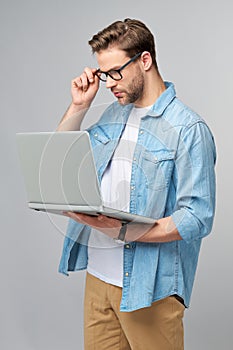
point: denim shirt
(172, 175)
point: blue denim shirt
(172, 174)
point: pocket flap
(100, 136)
(159, 155)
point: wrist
(78, 107)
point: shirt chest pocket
(99, 141)
(157, 167)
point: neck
(153, 88)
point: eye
(114, 74)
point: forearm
(72, 118)
(163, 231)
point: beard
(134, 90)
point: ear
(146, 60)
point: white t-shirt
(105, 256)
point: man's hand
(84, 88)
(110, 226)
(83, 91)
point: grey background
(43, 46)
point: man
(154, 157)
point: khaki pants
(159, 327)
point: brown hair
(130, 35)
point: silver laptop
(60, 175)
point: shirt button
(135, 159)
(132, 187)
(126, 274)
(95, 134)
(141, 132)
(127, 246)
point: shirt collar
(163, 101)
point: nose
(110, 82)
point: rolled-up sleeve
(194, 179)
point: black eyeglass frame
(116, 70)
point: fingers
(77, 216)
(100, 221)
(85, 79)
(109, 222)
(90, 73)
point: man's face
(130, 88)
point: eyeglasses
(115, 74)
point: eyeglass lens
(114, 74)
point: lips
(117, 93)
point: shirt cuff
(187, 225)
